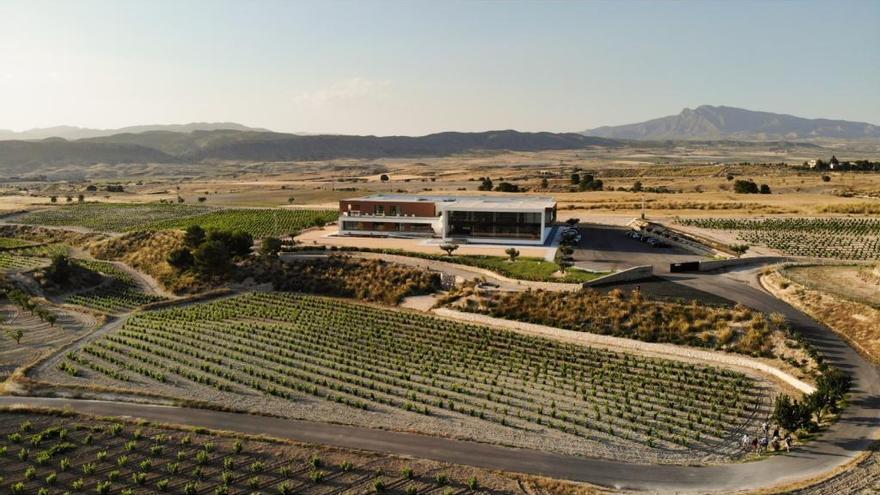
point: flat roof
(444, 202)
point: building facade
(474, 219)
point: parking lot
(606, 247)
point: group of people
(761, 444)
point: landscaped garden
(306, 356)
(839, 238)
(43, 454)
(522, 268)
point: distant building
(474, 219)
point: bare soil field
(856, 322)
(683, 179)
(38, 337)
(846, 281)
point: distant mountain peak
(724, 122)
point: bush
(745, 187)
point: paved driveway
(606, 248)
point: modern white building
(519, 219)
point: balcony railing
(379, 215)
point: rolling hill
(250, 146)
(725, 123)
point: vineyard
(257, 222)
(27, 256)
(374, 364)
(839, 238)
(111, 217)
(123, 217)
(11, 243)
(44, 454)
(117, 294)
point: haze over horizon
(391, 68)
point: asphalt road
(840, 443)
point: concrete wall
(706, 266)
(628, 275)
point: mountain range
(20, 157)
(35, 151)
(72, 132)
(708, 122)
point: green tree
(637, 186)
(194, 236)
(449, 247)
(270, 246)
(791, 414)
(59, 270)
(512, 253)
(181, 258)
(745, 187)
(575, 178)
(545, 183)
(765, 189)
(212, 258)
(739, 249)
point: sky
(413, 67)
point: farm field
(111, 217)
(46, 453)
(119, 293)
(294, 355)
(27, 256)
(257, 222)
(839, 238)
(846, 281)
(122, 217)
(11, 243)
(38, 337)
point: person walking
(745, 441)
(755, 445)
(786, 442)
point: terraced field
(120, 293)
(9, 243)
(122, 217)
(337, 361)
(45, 454)
(838, 238)
(27, 256)
(39, 337)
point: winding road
(843, 441)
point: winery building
(468, 219)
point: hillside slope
(710, 122)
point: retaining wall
(629, 275)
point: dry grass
(148, 251)
(856, 322)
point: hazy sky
(371, 67)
